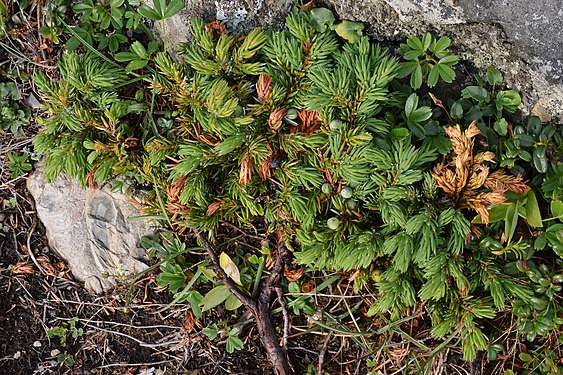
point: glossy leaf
(433, 76)
(446, 73)
(416, 77)
(475, 92)
(501, 127)
(174, 8)
(457, 110)
(557, 209)
(321, 18)
(442, 43)
(494, 76)
(540, 159)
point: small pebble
(55, 352)
(37, 344)
(17, 355)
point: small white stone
(55, 352)
(17, 355)
(37, 344)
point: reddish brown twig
(259, 307)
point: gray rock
(240, 16)
(90, 230)
(520, 37)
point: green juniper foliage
(315, 132)
(85, 128)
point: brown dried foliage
(308, 122)
(245, 170)
(214, 207)
(294, 275)
(173, 191)
(467, 180)
(276, 118)
(91, 181)
(217, 26)
(23, 268)
(263, 87)
(265, 168)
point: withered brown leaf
(275, 120)
(467, 180)
(245, 170)
(263, 86)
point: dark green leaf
(473, 114)
(125, 56)
(149, 13)
(457, 110)
(416, 77)
(501, 127)
(417, 129)
(321, 18)
(421, 114)
(136, 64)
(475, 92)
(139, 50)
(449, 60)
(415, 43)
(494, 76)
(442, 43)
(412, 55)
(174, 281)
(399, 133)
(427, 40)
(446, 73)
(79, 8)
(540, 159)
(116, 3)
(174, 8)
(433, 76)
(411, 104)
(159, 6)
(407, 68)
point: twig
(30, 251)
(132, 364)
(247, 301)
(256, 237)
(322, 353)
(140, 342)
(260, 307)
(285, 314)
(123, 325)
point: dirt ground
(125, 331)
